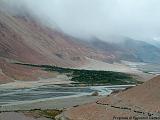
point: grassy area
(49, 113)
(91, 77)
(38, 113)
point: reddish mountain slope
(146, 95)
(10, 72)
(140, 101)
(24, 39)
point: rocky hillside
(140, 101)
(128, 49)
(24, 39)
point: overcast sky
(139, 19)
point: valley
(79, 60)
(68, 82)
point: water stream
(11, 95)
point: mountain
(139, 101)
(24, 39)
(155, 43)
(10, 72)
(128, 49)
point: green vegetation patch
(47, 113)
(102, 77)
(91, 77)
(38, 113)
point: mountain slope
(128, 49)
(142, 51)
(24, 39)
(140, 101)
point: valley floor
(138, 103)
(64, 103)
(117, 67)
(60, 104)
(111, 108)
(19, 116)
(71, 103)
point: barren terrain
(140, 101)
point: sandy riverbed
(46, 104)
(51, 103)
(61, 103)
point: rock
(95, 93)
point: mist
(138, 19)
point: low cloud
(139, 19)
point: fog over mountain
(136, 19)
